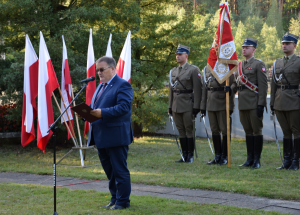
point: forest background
(157, 28)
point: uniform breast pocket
(249, 72)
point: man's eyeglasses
(101, 69)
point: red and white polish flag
(30, 92)
(124, 63)
(222, 60)
(91, 87)
(47, 83)
(66, 89)
(108, 49)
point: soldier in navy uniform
(285, 101)
(185, 91)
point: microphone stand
(54, 129)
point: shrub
(5, 124)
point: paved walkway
(199, 196)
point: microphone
(92, 78)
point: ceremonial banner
(29, 112)
(222, 60)
(124, 63)
(108, 49)
(46, 85)
(66, 89)
(91, 71)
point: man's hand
(203, 112)
(227, 89)
(195, 112)
(96, 113)
(272, 109)
(79, 117)
(260, 111)
(170, 111)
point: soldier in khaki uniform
(285, 100)
(252, 101)
(214, 101)
(184, 100)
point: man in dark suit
(112, 133)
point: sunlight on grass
(151, 160)
(36, 199)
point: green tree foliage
(295, 29)
(270, 44)
(157, 28)
(239, 39)
(274, 18)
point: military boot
(250, 151)
(287, 153)
(258, 146)
(218, 149)
(191, 147)
(184, 149)
(223, 159)
(296, 151)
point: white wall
(237, 128)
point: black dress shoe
(117, 207)
(109, 205)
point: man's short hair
(109, 60)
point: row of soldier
(191, 93)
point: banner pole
(228, 125)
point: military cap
(250, 42)
(182, 49)
(289, 38)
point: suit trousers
(114, 163)
(218, 122)
(251, 123)
(184, 124)
(289, 122)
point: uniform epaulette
(194, 65)
(259, 60)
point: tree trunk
(137, 130)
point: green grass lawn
(35, 199)
(151, 161)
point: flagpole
(79, 135)
(75, 143)
(66, 111)
(228, 125)
(227, 95)
(80, 140)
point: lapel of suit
(183, 70)
(291, 62)
(95, 95)
(109, 86)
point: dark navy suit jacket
(114, 128)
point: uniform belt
(240, 88)
(287, 87)
(212, 89)
(182, 91)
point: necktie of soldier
(286, 60)
(100, 93)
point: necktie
(286, 60)
(100, 93)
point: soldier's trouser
(251, 123)
(218, 122)
(289, 122)
(184, 124)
